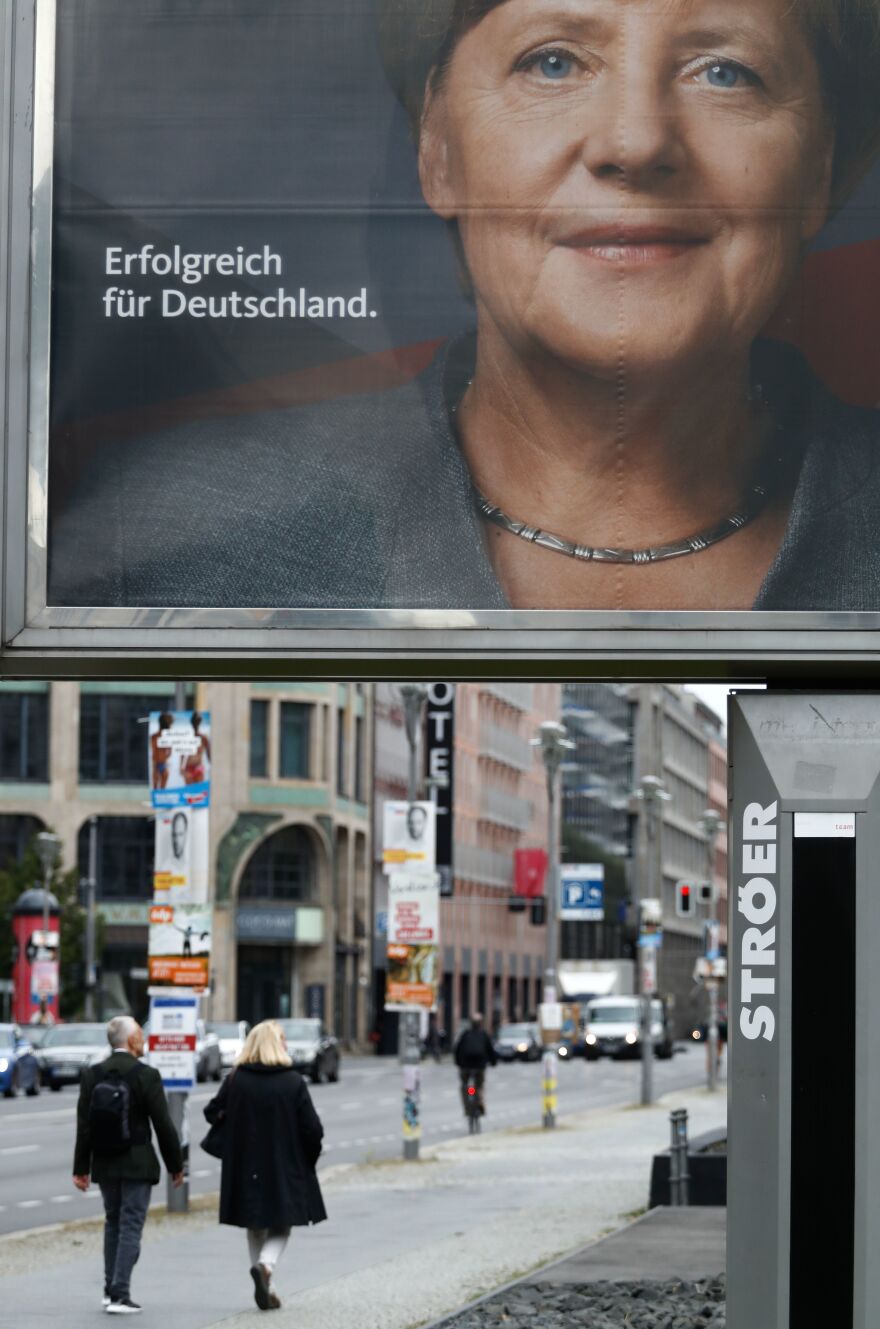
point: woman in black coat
(271, 1143)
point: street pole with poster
(650, 941)
(180, 759)
(710, 824)
(553, 744)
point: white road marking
(21, 1149)
(202, 1172)
(351, 1107)
(28, 1204)
(60, 1199)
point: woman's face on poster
(634, 181)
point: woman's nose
(636, 136)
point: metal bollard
(679, 1176)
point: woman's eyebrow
(720, 37)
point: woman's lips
(634, 246)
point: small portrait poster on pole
(409, 836)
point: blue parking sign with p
(582, 892)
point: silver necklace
(755, 502)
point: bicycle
(473, 1106)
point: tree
(17, 877)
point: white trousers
(266, 1245)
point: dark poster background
(214, 123)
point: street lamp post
(710, 824)
(651, 793)
(91, 884)
(413, 696)
(48, 851)
(554, 744)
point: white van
(612, 1028)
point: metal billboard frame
(43, 640)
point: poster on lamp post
(413, 947)
(409, 836)
(180, 759)
(179, 947)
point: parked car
(315, 1052)
(67, 1049)
(612, 1028)
(209, 1062)
(518, 1042)
(230, 1037)
(19, 1068)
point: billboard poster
(582, 888)
(180, 759)
(440, 774)
(409, 835)
(179, 947)
(308, 266)
(44, 980)
(172, 1040)
(413, 949)
(180, 867)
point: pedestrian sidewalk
(405, 1242)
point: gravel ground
(675, 1305)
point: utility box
(804, 1011)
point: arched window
(283, 868)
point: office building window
(124, 858)
(359, 759)
(112, 739)
(293, 758)
(283, 868)
(259, 738)
(16, 833)
(24, 736)
(341, 773)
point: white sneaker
(124, 1307)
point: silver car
(66, 1051)
(315, 1053)
(230, 1038)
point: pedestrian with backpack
(118, 1101)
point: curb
(447, 1320)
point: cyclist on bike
(473, 1053)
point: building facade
(289, 832)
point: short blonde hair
(264, 1046)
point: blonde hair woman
(271, 1144)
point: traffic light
(685, 899)
(538, 911)
(706, 892)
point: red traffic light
(685, 899)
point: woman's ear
(434, 172)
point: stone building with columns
(289, 832)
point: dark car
(518, 1042)
(315, 1052)
(19, 1068)
(66, 1051)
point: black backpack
(110, 1113)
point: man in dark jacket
(126, 1177)
(473, 1053)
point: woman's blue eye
(554, 65)
(724, 76)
